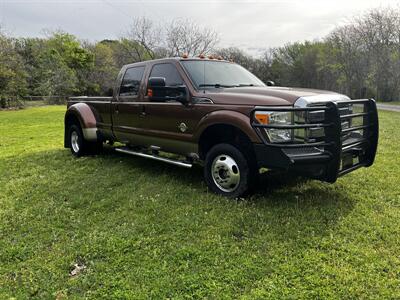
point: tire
(79, 146)
(228, 172)
(76, 141)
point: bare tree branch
(186, 37)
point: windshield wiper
(246, 84)
(217, 85)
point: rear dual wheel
(80, 146)
(229, 171)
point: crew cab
(218, 114)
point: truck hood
(269, 96)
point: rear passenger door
(128, 107)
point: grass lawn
(390, 103)
(144, 229)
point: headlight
(276, 118)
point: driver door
(168, 124)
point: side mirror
(270, 83)
(156, 82)
(158, 91)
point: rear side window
(131, 82)
(169, 72)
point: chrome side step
(155, 157)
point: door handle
(143, 111)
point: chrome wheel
(225, 173)
(75, 141)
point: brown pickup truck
(218, 114)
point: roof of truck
(219, 59)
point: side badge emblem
(182, 127)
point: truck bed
(89, 99)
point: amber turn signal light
(263, 118)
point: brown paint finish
(85, 114)
(269, 96)
(138, 121)
(227, 117)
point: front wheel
(228, 172)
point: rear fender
(86, 118)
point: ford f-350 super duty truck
(218, 114)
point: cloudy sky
(251, 25)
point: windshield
(217, 74)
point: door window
(169, 72)
(131, 82)
(172, 78)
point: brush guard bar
(335, 153)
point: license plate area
(348, 161)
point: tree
(186, 37)
(146, 40)
(55, 77)
(12, 74)
(63, 66)
(105, 69)
(379, 31)
(352, 59)
(143, 39)
(260, 67)
(296, 64)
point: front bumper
(337, 152)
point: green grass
(145, 229)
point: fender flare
(86, 118)
(227, 117)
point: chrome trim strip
(202, 100)
(318, 99)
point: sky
(251, 25)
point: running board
(155, 157)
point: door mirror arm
(184, 96)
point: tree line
(360, 59)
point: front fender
(227, 117)
(86, 118)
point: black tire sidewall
(244, 169)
